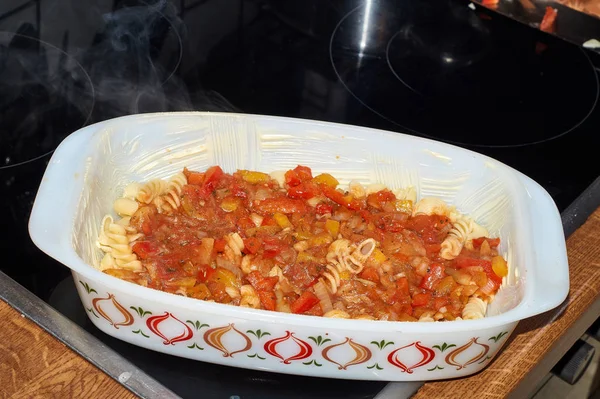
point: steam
(135, 64)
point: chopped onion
(262, 194)
(227, 264)
(489, 288)
(256, 219)
(323, 295)
(314, 201)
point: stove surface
(436, 69)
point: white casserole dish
(93, 165)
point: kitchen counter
(35, 362)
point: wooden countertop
(35, 364)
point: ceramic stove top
(436, 69)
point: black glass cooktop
(432, 68)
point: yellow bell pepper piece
(305, 257)
(282, 220)
(226, 277)
(302, 235)
(230, 204)
(499, 266)
(253, 177)
(333, 227)
(327, 179)
(378, 257)
(405, 206)
(320, 239)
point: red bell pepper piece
(435, 273)
(267, 299)
(421, 299)
(304, 302)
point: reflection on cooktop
(431, 68)
(450, 74)
(46, 95)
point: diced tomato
(245, 223)
(147, 227)
(292, 179)
(205, 273)
(282, 204)
(370, 273)
(440, 302)
(303, 190)
(251, 245)
(429, 227)
(297, 175)
(402, 285)
(494, 242)
(212, 175)
(548, 23)
(376, 200)
(433, 248)
(465, 261)
(195, 178)
(219, 245)
(345, 200)
(489, 2)
(304, 302)
(435, 273)
(322, 209)
(315, 310)
(144, 249)
(261, 283)
(303, 172)
(267, 299)
(421, 299)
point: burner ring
(530, 104)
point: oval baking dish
(90, 169)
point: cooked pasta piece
(407, 194)
(115, 240)
(249, 297)
(170, 200)
(356, 189)
(427, 317)
(125, 206)
(430, 206)
(474, 309)
(337, 314)
(149, 191)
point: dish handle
(52, 205)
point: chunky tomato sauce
(243, 239)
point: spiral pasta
(114, 241)
(474, 309)
(249, 297)
(464, 229)
(170, 199)
(343, 256)
(151, 190)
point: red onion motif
(128, 318)
(427, 353)
(304, 349)
(214, 338)
(154, 322)
(361, 354)
(452, 360)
